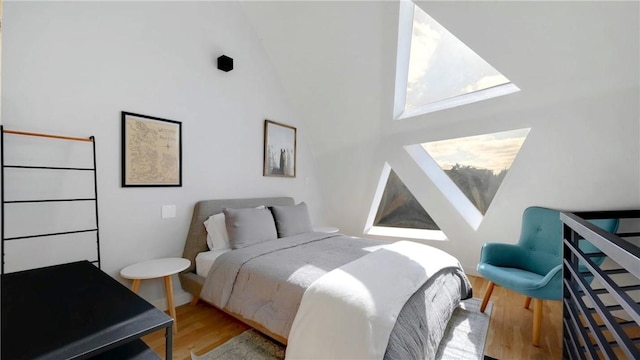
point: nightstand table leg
(135, 286)
(172, 310)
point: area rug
(250, 345)
(463, 339)
(466, 332)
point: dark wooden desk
(76, 311)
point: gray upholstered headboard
(197, 236)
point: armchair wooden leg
(487, 295)
(537, 321)
(194, 300)
(527, 302)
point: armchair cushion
(548, 287)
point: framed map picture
(151, 151)
(279, 150)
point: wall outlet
(168, 211)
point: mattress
(204, 261)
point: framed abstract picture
(151, 151)
(279, 150)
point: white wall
(577, 64)
(72, 67)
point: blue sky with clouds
(442, 67)
(489, 151)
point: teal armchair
(533, 266)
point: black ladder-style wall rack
(90, 139)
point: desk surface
(71, 311)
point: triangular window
(396, 212)
(435, 70)
(469, 170)
(399, 208)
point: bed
(267, 285)
(601, 313)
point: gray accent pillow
(249, 226)
(292, 220)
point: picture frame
(280, 153)
(151, 151)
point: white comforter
(350, 312)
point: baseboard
(471, 271)
(178, 299)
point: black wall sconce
(225, 63)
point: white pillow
(217, 235)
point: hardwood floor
(202, 328)
(511, 326)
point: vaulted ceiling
(336, 60)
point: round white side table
(326, 229)
(157, 268)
